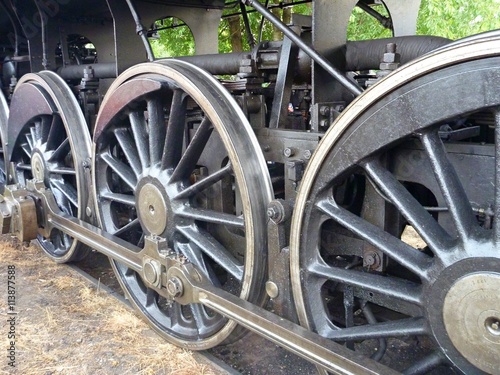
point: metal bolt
(307, 154)
(277, 211)
(175, 287)
(371, 259)
(495, 326)
(289, 152)
(88, 211)
(324, 110)
(272, 289)
(273, 213)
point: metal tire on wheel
(48, 139)
(354, 279)
(175, 159)
(4, 116)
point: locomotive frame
(292, 186)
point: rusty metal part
(18, 213)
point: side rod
(331, 356)
(311, 52)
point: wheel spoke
(67, 190)
(138, 125)
(29, 139)
(175, 130)
(193, 151)
(156, 129)
(33, 135)
(134, 224)
(426, 364)
(61, 152)
(210, 216)
(453, 192)
(201, 318)
(402, 253)
(23, 167)
(386, 285)
(56, 133)
(151, 298)
(195, 256)
(42, 128)
(129, 149)
(128, 200)
(121, 169)
(398, 328)
(428, 228)
(201, 185)
(26, 148)
(214, 250)
(63, 171)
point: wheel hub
(38, 166)
(471, 315)
(152, 209)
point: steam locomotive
(331, 195)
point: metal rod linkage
(311, 52)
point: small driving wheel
(417, 153)
(49, 141)
(176, 159)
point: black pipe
(319, 59)
(367, 54)
(100, 70)
(360, 55)
(141, 30)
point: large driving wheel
(49, 140)
(4, 116)
(176, 159)
(419, 150)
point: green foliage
(174, 38)
(362, 26)
(456, 19)
(453, 19)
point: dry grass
(66, 326)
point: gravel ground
(64, 325)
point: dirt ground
(65, 325)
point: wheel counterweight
(176, 162)
(387, 164)
(49, 141)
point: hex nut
(175, 287)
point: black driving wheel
(175, 159)
(419, 150)
(48, 140)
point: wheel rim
(4, 115)
(459, 252)
(144, 171)
(50, 142)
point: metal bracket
(18, 214)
